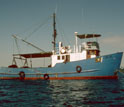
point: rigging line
(13, 46)
(63, 33)
(17, 37)
(82, 17)
(18, 48)
(32, 26)
(36, 29)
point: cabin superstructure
(92, 48)
(84, 51)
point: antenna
(56, 9)
(82, 16)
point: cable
(18, 48)
(63, 34)
(36, 29)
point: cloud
(115, 42)
(112, 44)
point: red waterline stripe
(62, 78)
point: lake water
(62, 93)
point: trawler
(82, 62)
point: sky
(32, 19)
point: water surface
(62, 93)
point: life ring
(22, 75)
(46, 76)
(78, 69)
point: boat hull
(103, 67)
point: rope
(18, 48)
(36, 29)
(63, 34)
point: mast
(54, 33)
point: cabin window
(58, 57)
(88, 52)
(95, 52)
(63, 57)
(92, 52)
(89, 46)
(67, 58)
